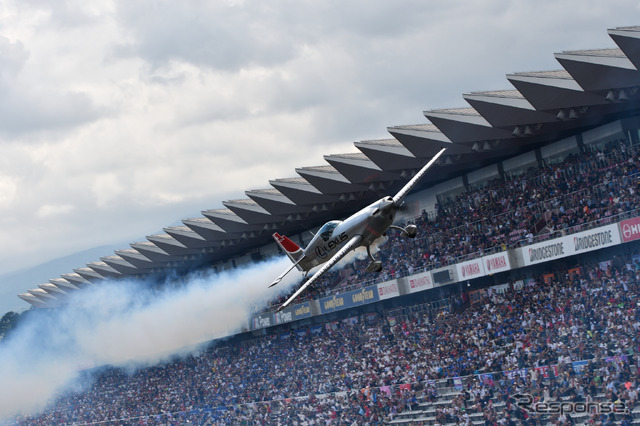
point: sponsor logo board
(349, 299)
(388, 290)
(496, 263)
(568, 245)
(420, 282)
(470, 269)
(262, 321)
(630, 229)
(293, 313)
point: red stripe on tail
(286, 243)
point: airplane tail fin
(293, 250)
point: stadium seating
(572, 338)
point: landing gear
(409, 231)
(375, 265)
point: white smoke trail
(124, 323)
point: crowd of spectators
(586, 189)
(372, 369)
(369, 369)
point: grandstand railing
(496, 249)
(582, 227)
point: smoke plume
(127, 323)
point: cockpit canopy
(327, 229)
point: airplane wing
(405, 189)
(350, 245)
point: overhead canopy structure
(594, 87)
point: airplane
(336, 238)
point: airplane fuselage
(338, 237)
(370, 223)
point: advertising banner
(470, 269)
(579, 366)
(595, 239)
(500, 289)
(457, 383)
(544, 370)
(349, 300)
(388, 290)
(518, 285)
(477, 296)
(262, 321)
(618, 359)
(293, 313)
(545, 251)
(495, 263)
(568, 245)
(512, 374)
(486, 379)
(630, 229)
(420, 282)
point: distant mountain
(13, 283)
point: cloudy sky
(119, 118)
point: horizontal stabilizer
(350, 245)
(281, 276)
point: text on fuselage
(321, 251)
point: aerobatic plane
(338, 237)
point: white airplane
(337, 238)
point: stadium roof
(594, 87)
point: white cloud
(48, 210)
(7, 191)
(30, 104)
(13, 55)
(106, 188)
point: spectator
(374, 372)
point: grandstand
(501, 134)
(524, 279)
